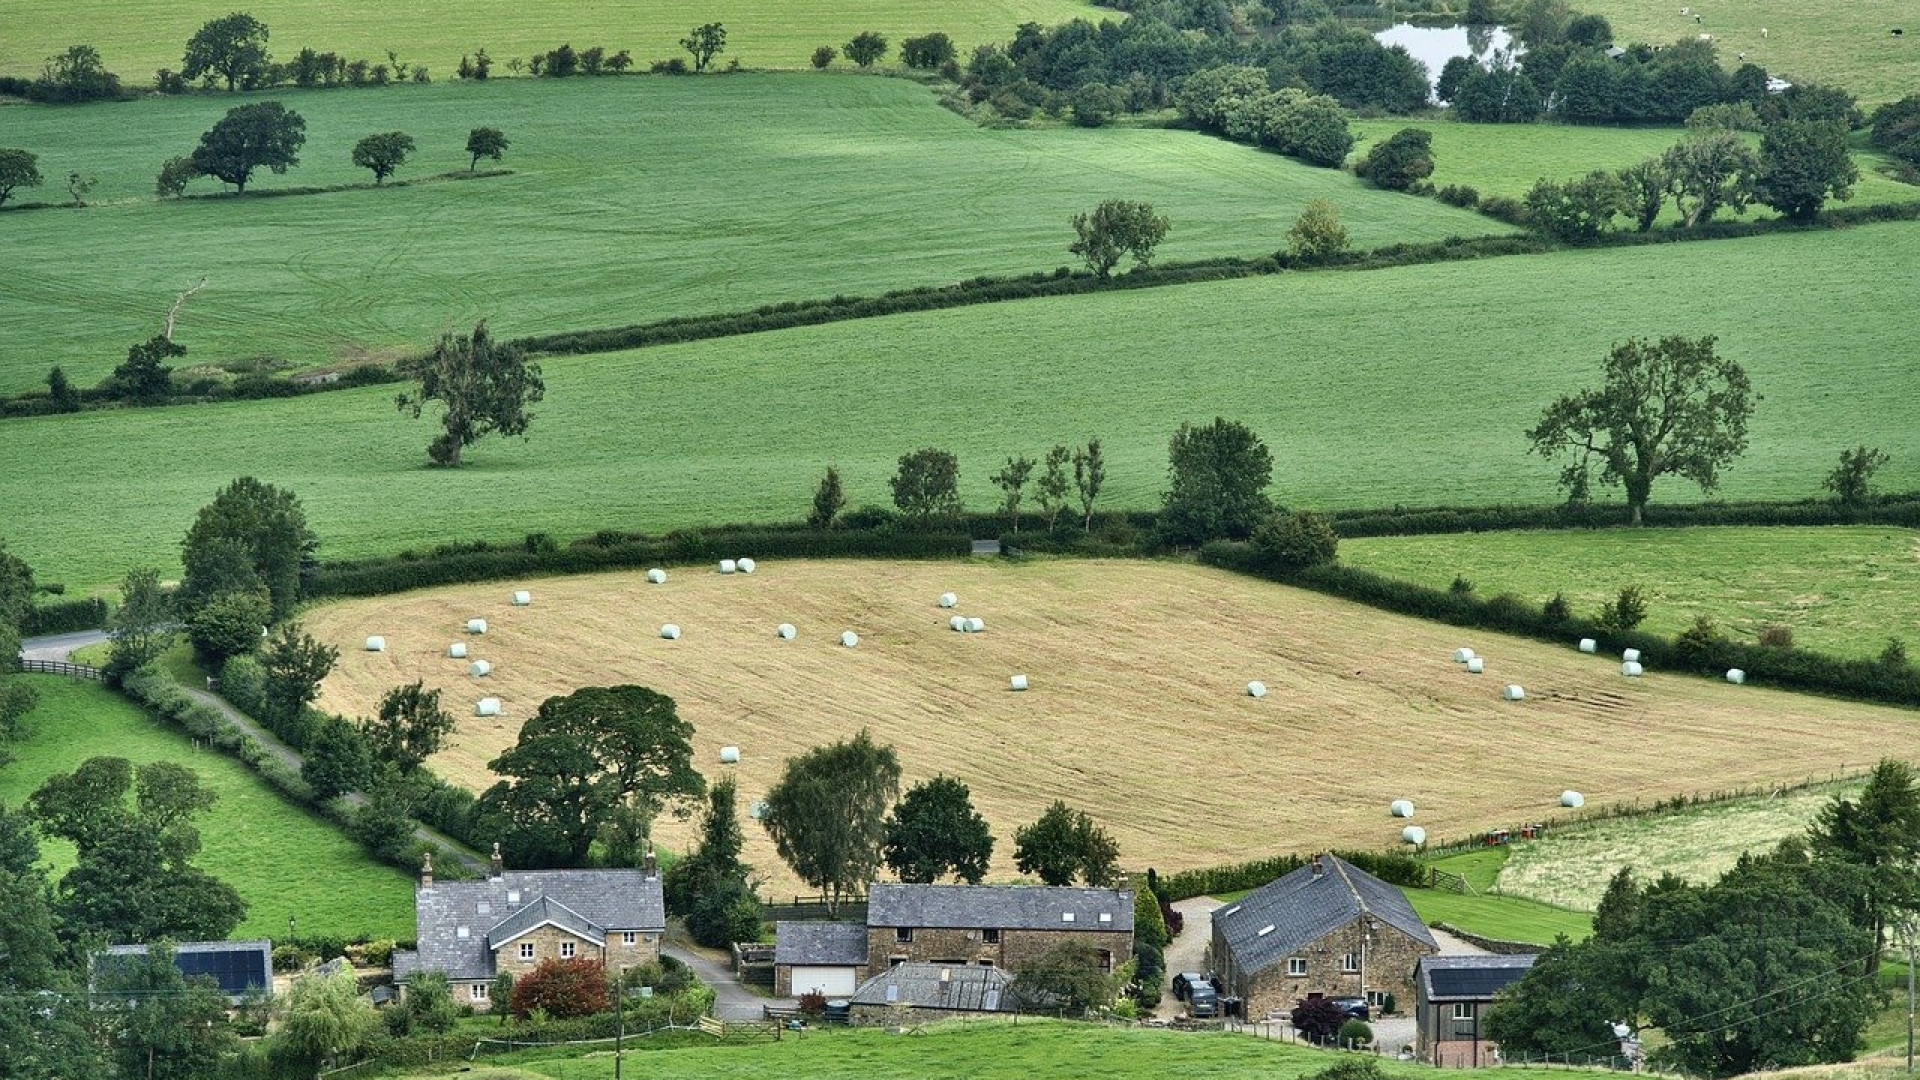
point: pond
(1435, 45)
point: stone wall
(1388, 968)
(940, 945)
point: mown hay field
(1843, 590)
(1833, 42)
(137, 38)
(1138, 711)
(285, 860)
(1414, 385)
(1571, 867)
(631, 199)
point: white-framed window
(1377, 998)
(462, 933)
(903, 933)
(627, 937)
(1463, 1010)
(479, 991)
(566, 950)
(526, 951)
(1296, 965)
(1350, 962)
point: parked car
(1356, 1008)
(1203, 1002)
(1184, 981)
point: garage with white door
(826, 958)
(833, 982)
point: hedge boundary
(1185, 884)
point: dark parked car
(1183, 984)
(1356, 1008)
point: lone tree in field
(486, 386)
(866, 48)
(935, 831)
(1012, 479)
(827, 815)
(232, 47)
(1317, 233)
(265, 134)
(927, 485)
(1118, 228)
(1671, 406)
(18, 168)
(383, 153)
(829, 498)
(1802, 164)
(1404, 159)
(705, 42)
(1064, 844)
(1219, 475)
(1851, 481)
(1052, 485)
(262, 524)
(1089, 476)
(484, 142)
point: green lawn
(1509, 918)
(1412, 385)
(1842, 589)
(1507, 159)
(1844, 44)
(137, 38)
(632, 199)
(984, 1050)
(284, 860)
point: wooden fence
(59, 667)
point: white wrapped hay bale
(670, 631)
(948, 599)
(728, 566)
(976, 626)
(656, 576)
(457, 650)
(521, 598)
(476, 626)
(1018, 682)
(376, 643)
(1572, 800)
(1461, 656)
(1401, 808)
(849, 638)
(1736, 676)
(1588, 645)
(745, 565)
(1413, 834)
(1630, 656)
(729, 755)
(958, 624)
(1256, 689)
(1632, 669)
(786, 631)
(487, 706)
(1476, 666)
(479, 669)
(1513, 693)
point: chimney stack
(426, 871)
(496, 867)
(1316, 866)
(650, 867)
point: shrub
(1627, 611)
(1461, 586)
(1388, 1006)
(813, 1003)
(289, 958)
(243, 682)
(1318, 1019)
(1557, 607)
(65, 616)
(561, 989)
(1776, 636)
(823, 56)
(671, 66)
(1895, 654)
(1295, 541)
(1403, 160)
(228, 625)
(1351, 1067)
(1355, 1033)
(1459, 195)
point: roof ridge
(1340, 867)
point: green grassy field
(632, 199)
(137, 38)
(284, 860)
(1507, 159)
(1839, 43)
(1506, 917)
(1411, 386)
(979, 1050)
(1571, 867)
(1843, 590)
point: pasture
(286, 861)
(1843, 590)
(631, 199)
(1484, 911)
(136, 38)
(1507, 159)
(1571, 867)
(1843, 44)
(1137, 714)
(1411, 385)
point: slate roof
(1470, 978)
(539, 913)
(963, 988)
(1302, 907)
(820, 944)
(1000, 907)
(234, 966)
(604, 900)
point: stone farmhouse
(980, 926)
(512, 920)
(1328, 929)
(1453, 994)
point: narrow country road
(731, 1000)
(1188, 950)
(59, 647)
